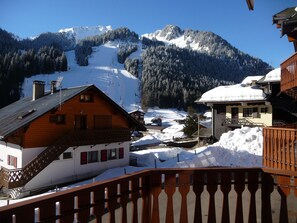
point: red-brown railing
(168, 195)
(289, 73)
(280, 148)
(12, 178)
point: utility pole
(198, 130)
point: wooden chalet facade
(62, 136)
(280, 142)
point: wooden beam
(250, 4)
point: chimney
(53, 87)
(38, 89)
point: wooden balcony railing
(289, 74)
(168, 195)
(280, 148)
(237, 122)
(12, 178)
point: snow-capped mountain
(201, 41)
(82, 32)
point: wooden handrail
(164, 195)
(280, 148)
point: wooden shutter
(121, 153)
(103, 155)
(83, 158)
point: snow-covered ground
(241, 147)
(238, 148)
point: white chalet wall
(69, 170)
(10, 149)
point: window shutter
(103, 155)
(83, 158)
(121, 153)
(15, 162)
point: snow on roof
(237, 92)
(272, 76)
(136, 110)
(206, 123)
(250, 79)
(243, 91)
(208, 114)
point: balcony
(289, 76)
(280, 149)
(169, 195)
(238, 122)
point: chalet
(61, 136)
(138, 115)
(256, 101)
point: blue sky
(250, 31)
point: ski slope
(103, 71)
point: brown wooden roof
(286, 20)
(250, 4)
(26, 110)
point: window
(58, 119)
(264, 110)
(86, 98)
(12, 161)
(67, 155)
(112, 154)
(248, 112)
(92, 156)
(221, 109)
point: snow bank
(238, 148)
(244, 139)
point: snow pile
(245, 139)
(147, 140)
(238, 148)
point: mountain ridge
(173, 65)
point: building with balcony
(62, 136)
(256, 101)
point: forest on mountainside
(25, 58)
(175, 77)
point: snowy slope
(103, 71)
